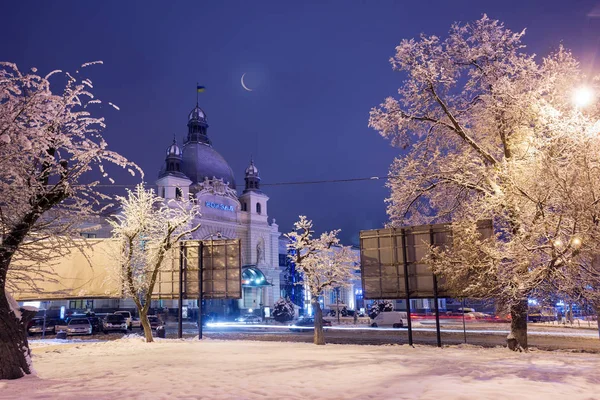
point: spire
(252, 178)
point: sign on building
(392, 260)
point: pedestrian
(355, 317)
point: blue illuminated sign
(218, 206)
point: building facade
(196, 170)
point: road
(488, 335)
(545, 339)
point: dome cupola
(252, 178)
(172, 165)
(174, 150)
(199, 160)
(197, 126)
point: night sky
(316, 68)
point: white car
(132, 322)
(79, 326)
(249, 319)
(394, 319)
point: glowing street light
(583, 96)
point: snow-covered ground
(211, 369)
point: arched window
(244, 206)
(258, 208)
(178, 193)
(162, 192)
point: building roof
(201, 161)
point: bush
(380, 306)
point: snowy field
(211, 369)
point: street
(488, 335)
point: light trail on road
(591, 335)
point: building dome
(197, 114)
(173, 149)
(252, 170)
(201, 161)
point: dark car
(304, 324)
(37, 325)
(114, 322)
(154, 321)
(96, 323)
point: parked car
(96, 322)
(114, 322)
(394, 319)
(79, 326)
(36, 325)
(62, 324)
(303, 324)
(249, 319)
(131, 321)
(154, 321)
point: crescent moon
(243, 84)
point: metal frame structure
(392, 265)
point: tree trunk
(146, 325)
(319, 337)
(15, 356)
(517, 338)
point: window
(81, 304)
(88, 235)
(258, 208)
(283, 260)
(178, 193)
(244, 206)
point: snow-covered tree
(379, 306)
(283, 310)
(50, 144)
(146, 229)
(490, 133)
(323, 263)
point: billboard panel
(221, 267)
(387, 253)
(85, 271)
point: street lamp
(583, 96)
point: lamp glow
(583, 96)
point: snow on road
(212, 369)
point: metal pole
(180, 302)
(200, 289)
(463, 317)
(406, 288)
(436, 299)
(337, 303)
(44, 326)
